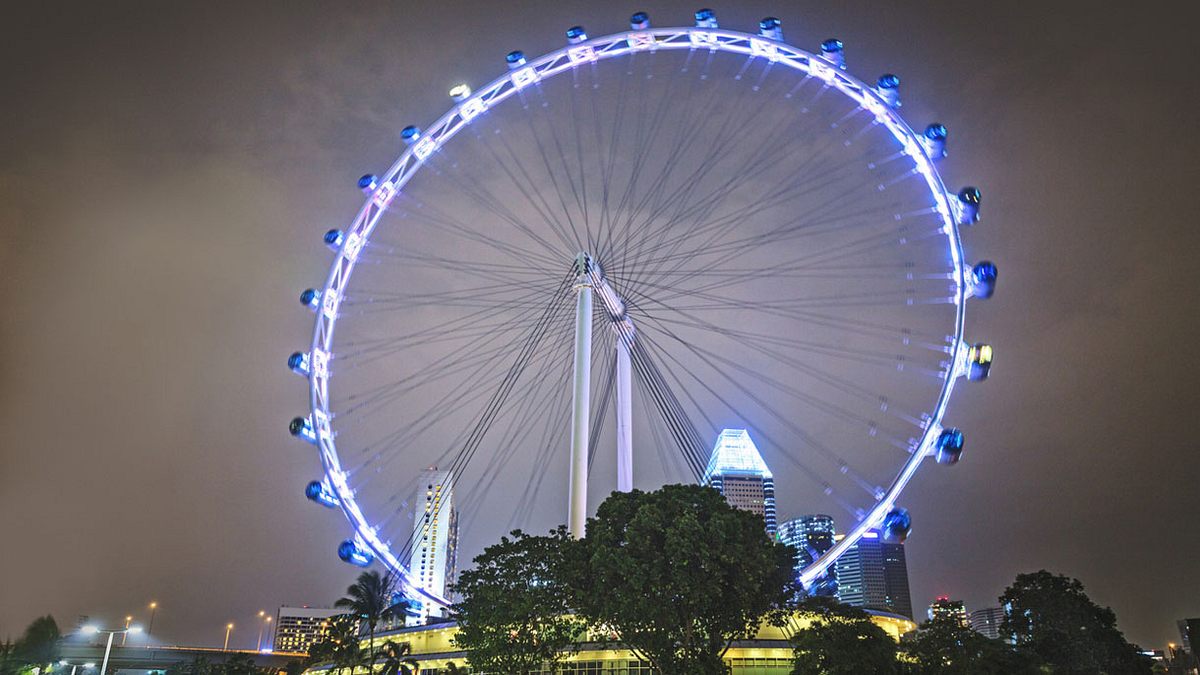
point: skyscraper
(812, 535)
(435, 541)
(739, 472)
(987, 621)
(874, 574)
(299, 628)
(945, 609)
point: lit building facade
(945, 609)
(738, 471)
(299, 628)
(987, 621)
(874, 574)
(812, 535)
(435, 540)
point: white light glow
(523, 77)
(581, 54)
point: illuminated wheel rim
(760, 52)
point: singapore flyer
(610, 261)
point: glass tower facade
(874, 574)
(738, 471)
(812, 535)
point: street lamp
(153, 611)
(262, 627)
(228, 630)
(128, 620)
(93, 630)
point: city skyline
(151, 303)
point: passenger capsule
(888, 88)
(771, 28)
(705, 18)
(301, 428)
(934, 140)
(948, 447)
(639, 21)
(897, 525)
(319, 493)
(460, 92)
(968, 205)
(311, 298)
(576, 34)
(368, 183)
(833, 51)
(333, 239)
(355, 554)
(298, 362)
(979, 361)
(983, 279)
(410, 134)
(515, 59)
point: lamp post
(93, 630)
(228, 630)
(153, 611)
(128, 620)
(261, 626)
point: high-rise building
(1189, 634)
(739, 472)
(299, 628)
(812, 535)
(874, 574)
(987, 621)
(435, 540)
(945, 609)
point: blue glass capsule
(705, 18)
(576, 34)
(310, 298)
(355, 554)
(333, 239)
(948, 447)
(968, 205)
(833, 51)
(515, 58)
(639, 21)
(771, 27)
(317, 492)
(301, 428)
(888, 88)
(983, 279)
(934, 140)
(298, 363)
(410, 133)
(368, 182)
(897, 525)
(979, 361)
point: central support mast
(588, 278)
(580, 403)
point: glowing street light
(94, 630)
(153, 611)
(228, 630)
(266, 620)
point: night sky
(166, 172)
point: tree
(678, 574)
(371, 599)
(197, 666)
(397, 659)
(239, 664)
(946, 647)
(1051, 616)
(37, 647)
(840, 640)
(514, 616)
(340, 646)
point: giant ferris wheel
(581, 273)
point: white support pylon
(624, 417)
(577, 507)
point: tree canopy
(515, 614)
(1052, 617)
(840, 640)
(371, 599)
(946, 647)
(678, 574)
